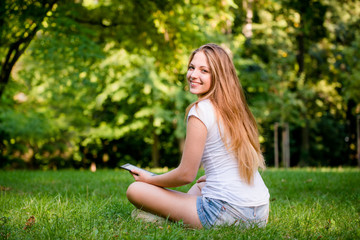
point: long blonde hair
(240, 135)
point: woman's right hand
(140, 176)
(198, 186)
(201, 179)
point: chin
(197, 92)
(192, 91)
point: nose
(194, 74)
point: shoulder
(203, 105)
(203, 110)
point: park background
(103, 81)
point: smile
(195, 83)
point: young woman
(222, 135)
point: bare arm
(187, 170)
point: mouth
(192, 83)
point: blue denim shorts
(214, 212)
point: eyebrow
(200, 66)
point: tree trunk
(276, 145)
(15, 51)
(17, 48)
(286, 145)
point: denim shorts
(214, 212)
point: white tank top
(221, 168)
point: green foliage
(104, 81)
(31, 127)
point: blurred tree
(309, 30)
(344, 67)
(286, 70)
(19, 23)
(105, 70)
(103, 81)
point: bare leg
(164, 202)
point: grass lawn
(308, 203)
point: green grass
(305, 204)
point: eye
(204, 71)
(191, 68)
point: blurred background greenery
(103, 81)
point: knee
(133, 191)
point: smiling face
(199, 75)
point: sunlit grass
(306, 203)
